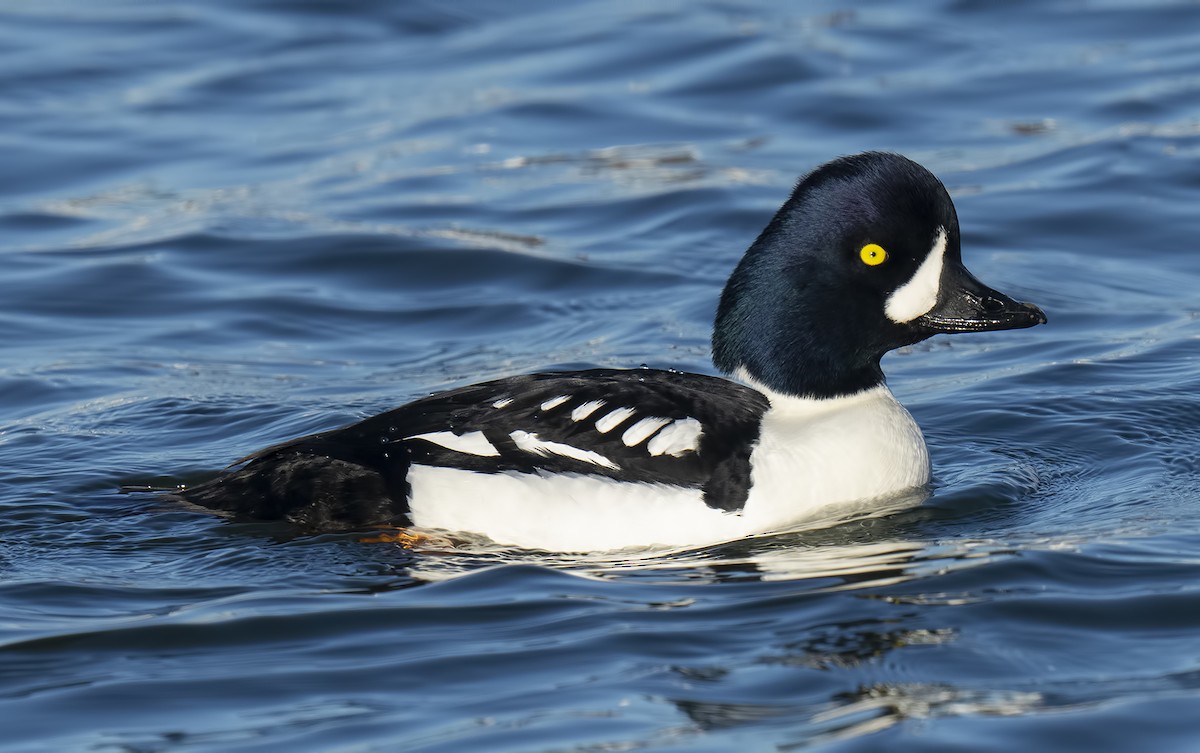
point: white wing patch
(640, 431)
(554, 402)
(614, 419)
(529, 442)
(683, 435)
(920, 293)
(586, 410)
(471, 443)
(503, 402)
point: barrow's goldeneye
(861, 259)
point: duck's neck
(785, 342)
(803, 405)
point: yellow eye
(872, 255)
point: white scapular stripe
(530, 443)
(471, 443)
(503, 402)
(920, 293)
(638, 433)
(554, 402)
(612, 420)
(586, 410)
(683, 435)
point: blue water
(226, 223)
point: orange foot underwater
(405, 538)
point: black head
(863, 258)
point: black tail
(324, 481)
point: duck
(862, 258)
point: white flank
(566, 512)
(586, 410)
(611, 420)
(554, 402)
(920, 293)
(471, 443)
(683, 435)
(503, 402)
(638, 433)
(530, 443)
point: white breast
(816, 455)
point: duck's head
(863, 257)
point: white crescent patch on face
(917, 296)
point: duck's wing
(638, 425)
